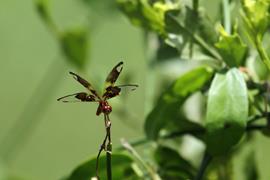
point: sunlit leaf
(170, 102)
(231, 48)
(227, 111)
(121, 168)
(257, 16)
(146, 15)
(74, 44)
(172, 165)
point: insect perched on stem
(110, 91)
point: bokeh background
(43, 139)
(55, 136)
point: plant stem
(263, 55)
(109, 149)
(197, 39)
(204, 164)
(35, 107)
(226, 14)
(175, 134)
(150, 170)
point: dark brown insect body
(103, 107)
(110, 91)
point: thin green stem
(134, 143)
(226, 15)
(31, 115)
(150, 170)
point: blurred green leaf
(75, 44)
(42, 9)
(260, 68)
(175, 26)
(227, 111)
(206, 28)
(170, 102)
(231, 48)
(256, 16)
(121, 168)
(146, 15)
(172, 165)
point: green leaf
(227, 111)
(148, 16)
(74, 45)
(256, 16)
(231, 48)
(172, 165)
(121, 168)
(170, 102)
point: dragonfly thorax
(104, 107)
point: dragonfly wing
(113, 91)
(85, 83)
(113, 75)
(79, 97)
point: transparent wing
(79, 97)
(86, 84)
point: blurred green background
(63, 135)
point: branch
(204, 164)
(107, 147)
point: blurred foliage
(228, 68)
(121, 168)
(74, 42)
(168, 106)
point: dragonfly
(110, 91)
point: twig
(204, 164)
(255, 127)
(150, 170)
